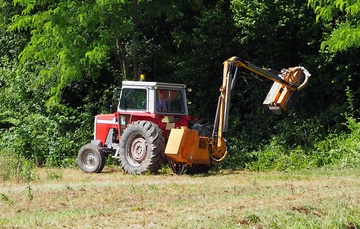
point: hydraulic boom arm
(280, 98)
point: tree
(343, 16)
(71, 40)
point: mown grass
(68, 198)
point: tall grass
(341, 150)
(15, 167)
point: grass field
(69, 198)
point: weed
(28, 176)
(68, 187)
(6, 199)
(165, 170)
(54, 175)
(153, 187)
(253, 218)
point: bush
(340, 150)
(47, 138)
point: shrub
(340, 150)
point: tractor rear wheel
(91, 158)
(142, 148)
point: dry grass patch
(72, 199)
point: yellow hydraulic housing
(186, 147)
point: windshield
(170, 101)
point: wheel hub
(138, 149)
(90, 160)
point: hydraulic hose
(219, 160)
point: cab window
(170, 101)
(133, 99)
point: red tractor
(152, 127)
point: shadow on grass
(168, 172)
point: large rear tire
(91, 158)
(142, 148)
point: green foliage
(344, 16)
(253, 218)
(339, 150)
(17, 168)
(28, 176)
(278, 158)
(54, 175)
(11, 165)
(272, 33)
(6, 199)
(345, 37)
(70, 39)
(32, 130)
(43, 139)
(202, 44)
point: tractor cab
(153, 98)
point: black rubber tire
(91, 158)
(142, 148)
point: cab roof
(128, 84)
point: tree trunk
(135, 41)
(122, 57)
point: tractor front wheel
(142, 148)
(91, 158)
